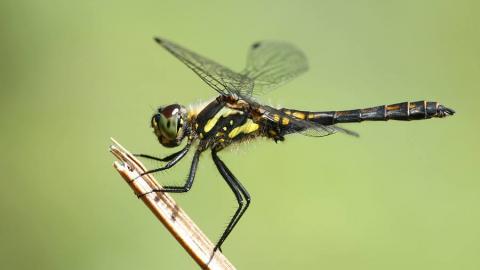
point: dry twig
(168, 212)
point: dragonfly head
(169, 124)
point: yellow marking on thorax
(285, 121)
(246, 128)
(210, 124)
(224, 112)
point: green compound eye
(168, 126)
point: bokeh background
(405, 195)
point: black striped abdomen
(400, 111)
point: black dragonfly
(236, 116)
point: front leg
(188, 184)
(173, 159)
(165, 159)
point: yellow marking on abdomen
(246, 128)
(285, 121)
(393, 107)
(299, 115)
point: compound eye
(170, 110)
(167, 125)
(169, 120)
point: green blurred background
(402, 196)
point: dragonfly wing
(317, 130)
(271, 64)
(304, 127)
(220, 78)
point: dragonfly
(236, 116)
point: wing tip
(347, 131)
(256, 45)
(159, 40)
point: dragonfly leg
(241, 194)
(172, 160)
(165, 159)
(188, 184)
(245, 193)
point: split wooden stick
(168, 212)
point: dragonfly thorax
(169, 124)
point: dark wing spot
(158, 40)
(256, 45)
(168, 124)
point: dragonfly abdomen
(405, 111)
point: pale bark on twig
(185, 231)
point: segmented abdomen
(400, 111)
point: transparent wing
(304, 127)
(220, 78)
(271, 64)
(317, 131)
(313, 129)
